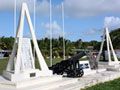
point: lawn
(111, 85)
(3, 63)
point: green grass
(111, 85)
(3, 63)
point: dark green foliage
(6, 43)
(115, 36)
(57, 47)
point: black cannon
(70, 66)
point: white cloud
(6, 4)
(73, 8)
(91, 32)
(42, 7)
(9, 4)
(56, 30)
(79, 8)
(112, 22)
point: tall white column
(39, 55)
(110, 49)
(108, 45)
(19, 35)
(101, 47)
(111, 46)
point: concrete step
(31, 82)
(45, 83)
(71, 83)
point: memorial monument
(21, 65)
(112, 61)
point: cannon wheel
(80, 73)
(75, 73)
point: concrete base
(113, 63)
(110, 66)
(108, 63)
(58, 83)
(88, 72)
(28, 83)
(25, 75)
(113, 68)
(90, 80)
(41, 83)
(100, 70)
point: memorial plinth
(21, 65)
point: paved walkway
(90, 80)
(70, 83)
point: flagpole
(63, 27)
(34, 13)
(51, 33)
(34, 25)
(14, 18)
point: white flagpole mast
(63, 26)
(14, 18)
(50, 33)
(34, 24)
(34, 13)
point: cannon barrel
(69, 66)
(77, 56)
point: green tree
(6, 43)
(115, 37)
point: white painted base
(31, 82)
(45, 83)
(88, 72)
(113, 63)
(25, 75)
(109, 63)
(100, 70)
(113, 68)
(40, 83)
(110, 66)
(86, 68)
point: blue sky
(83, 18)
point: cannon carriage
(71, 66)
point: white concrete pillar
(108, 45)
